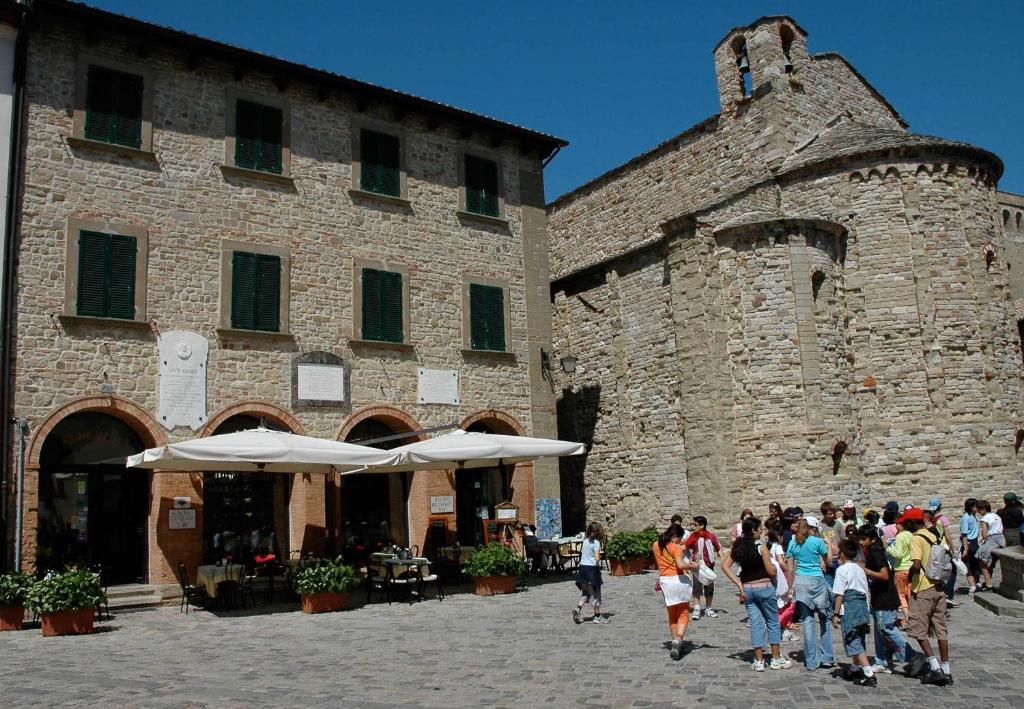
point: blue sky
(615, 78)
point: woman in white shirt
(991, 538)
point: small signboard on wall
(442, 504)
(181, 519)
(438, 386)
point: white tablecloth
(211, 575)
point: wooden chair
(189, 592)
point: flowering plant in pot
(496, 568)
(13, 589)
(324, 586)
(66, 601)
(627, 552)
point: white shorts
(676, 589)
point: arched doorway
(373, 507)
(245, 514)
(478, 490)
(91, 509)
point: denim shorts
(853, 641)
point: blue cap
(935, 503)
(892, 505)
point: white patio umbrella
(463, 449)
(260, 450)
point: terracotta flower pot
(77, 622)
(324, 602)
(493, 585)
(11, 617)
(627, 567)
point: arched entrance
(91, 509)
(245, 514)
(477, 491)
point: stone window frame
(227, 249)
(77, 137)
(140, 233)
(357, 126)
(233, 95)
(495, 157)
(358, 264)
(467, 331)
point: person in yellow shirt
(899, 557)
(927, 600)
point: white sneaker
(781, 663)
(710, 613)
(696, 614)
(788, 636)
(880, 669)
(758, 665)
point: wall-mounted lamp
(568, 364)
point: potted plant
(324, 586)
(627, 553)
(13, 588)
(648, 537)
(496, 568)
(66, 601)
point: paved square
(509, 651)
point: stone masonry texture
(794, 300)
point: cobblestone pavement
(507, 651)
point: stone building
(179, 191)
(796, 299)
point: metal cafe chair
(190, 593)
(426, 577)
(377, 578)
(103, 608)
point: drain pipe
(19, 513)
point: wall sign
(319, 379)
(181, 519)
(438, 386)
(442, 504)
(183, 357)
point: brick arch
(506, 424)
(396, 418)
(259, 409)
(138, 418)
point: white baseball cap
(812, 521)
(848, 505)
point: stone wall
(818, 313)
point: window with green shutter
(486, 317)
(258, 136)
(379, 169)
(382, 306)
(255, 292)
(482, 186)
(113, 107)
(106, 275)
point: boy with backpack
(931, 565)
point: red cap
(911, 513)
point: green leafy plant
(70, 590)
(649, 536)
(623, 546)
(326, 577)
(496, 559)
(14, 587)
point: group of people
(891, 574)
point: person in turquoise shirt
(969, 532)
(807, 554)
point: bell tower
(754, 60)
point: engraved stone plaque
(319, 379)
(183, 357)
(438, 386)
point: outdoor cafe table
(397, 567)
(550, 548)
(210, 575)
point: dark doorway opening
(92, 511)
(477, 491)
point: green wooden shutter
(271, 130)
(486, 317)
(121, 277)
(128, 130)
(391, 307)
(100, 117)
(247, 135)
(379, 168)
(473, 194)
(268, 293)
(481, 186)
(92, 274)
(243, 290)
(372, 325)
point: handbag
(705, 574)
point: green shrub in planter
(623, 546)
(496, 559)
(70, 590)
(649, 536)
(326, 577)
(14, 587)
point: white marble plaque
(183, 379)
(442, 504)
(321, 382)
(181, 519)
(439, 386)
